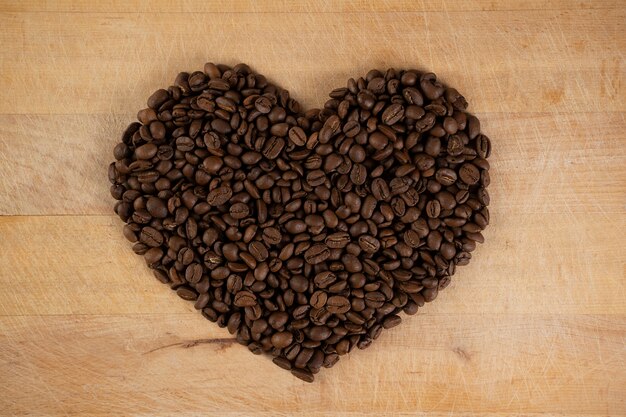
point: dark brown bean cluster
(305, 234)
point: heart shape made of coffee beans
(304, 233)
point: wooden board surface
(535, 325)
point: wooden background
(535, 325)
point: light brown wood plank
(455, 363)
(541, 263)
(295, 6)
(534, 326)
(106, 62)
(560, 164)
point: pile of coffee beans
(303, 233)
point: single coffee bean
(369, 244)
(411, 238)
(380, 190)
(273, 147)
(337, 240)
(303, 374)
(318, 299)
(433, 209)
(391, 321)
(282, 339)
(358, 174)
(483, 146)
(151, 237)
(316, 254)
(446, 176)
(297, 136)
(245, 299)
(258, 251)
(315, 178)
(272, 236)
(219, 196)
(337, 304)
(239, 211)
(393, 114)
(324, 279)
(469, 174)
(263, 105)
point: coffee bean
(446, 176)
(315, 178)
(380, 190)
(393, 114)
(391, 321)
(303, 233)
(302, 374)
(258, 251)
(411, 238)
(337, 240)
(263, 105)
(378, 141)
(219, 196)
(151, 237)
(358, 175)
(316, 254)
(156, 207)
(319, 333)
(273, 147)
(245, 299)
(324, 279)
(469, 174)
(297, 136)
(272, 236)
(318, 299)
(433, 209)
(337, 304)
(282, 339)
(483, 146)
(369, 244)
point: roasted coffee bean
(297, 136)
(324, 279)
(483, 146)
(318, 299)
(244, 299)
(303, 374)
(316, 254)
(272, 236)
(315, 178)
(358, 174)
(303, 233)
(393, 114)
(369, 244)
(282, 339)
(469, 174)
(446, 176)
(151, 237)
(239, 210)
(337, 240)
(258, 251)
(391, 321)
(380, 190)
(337, 304)
(219, 196)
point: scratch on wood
(463, 354)
(222, 342)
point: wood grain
(532, 60)
(534, 326)
(149, 364)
